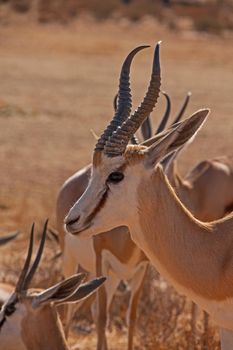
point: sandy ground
(58, 82)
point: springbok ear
(8, 238)
(59, 291)
(83, 291)
(175, 138)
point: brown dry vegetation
(215, 16)
(57, 83)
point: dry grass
(56, 84)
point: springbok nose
(71, 222)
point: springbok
(28, 319)
(117, 259)
(128, 187)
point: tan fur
(51, 335)
(198, 256)
(207, 191)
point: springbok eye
(10, 309)
(115, 177)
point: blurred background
(59, 67)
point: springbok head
(28, 319)
(111, 197)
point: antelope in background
(28, 318)
(196, 257)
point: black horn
(117, 143)
(124, 101)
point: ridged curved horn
(124, 102)
(166, 115)
(117, 143)
(134, 139)
(183, 108)
(25, 268)
(36, 262)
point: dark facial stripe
(2, 322)
(98, 207)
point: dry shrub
(209, 17)
(212, 17)
(21, 5)
(64, 10)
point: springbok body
(195, 256)
(28, 317)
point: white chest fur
(123, 270)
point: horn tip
(156, 65)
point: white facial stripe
(99, 206)
(93, 199)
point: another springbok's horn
(36, 262)
(19, 285)
(183, 108)
(146, 129)
(117, 143)
(124, 102)
(166, 115)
